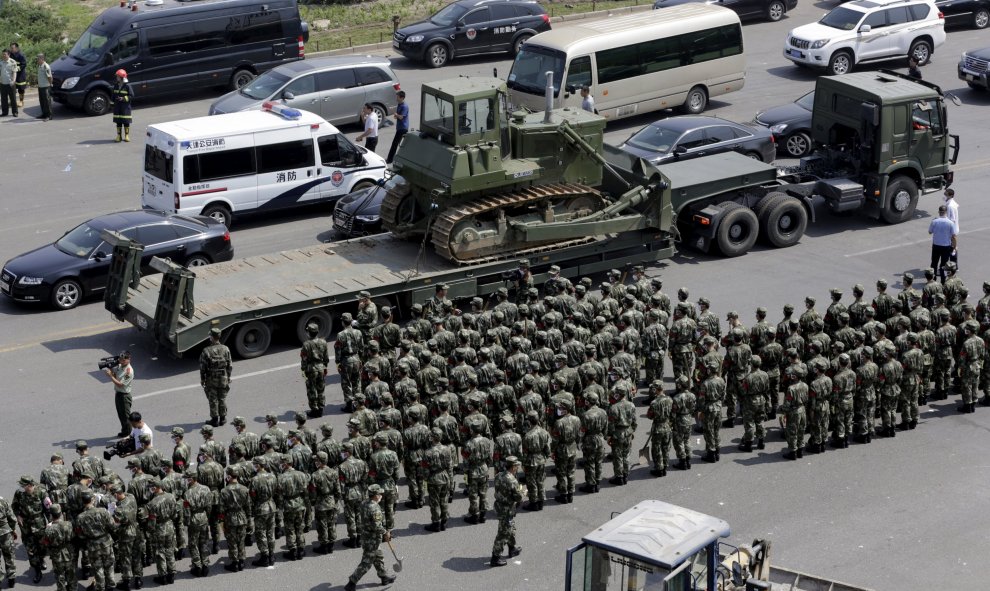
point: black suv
(471, 27)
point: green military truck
(657, 546)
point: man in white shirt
(370, 134)
(139, 428)
(952, 212)
(587, 101)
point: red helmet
(122, 73)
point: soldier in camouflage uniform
(348, 349)
(438, 463)
(326, 493)
(621, 430)
(566, 434)
(162, 510)
(793, 409)
(736, 364)
(536, 449)
(263, 493)
(125, 515)
(314, 357)
(293, 486)
(942, 364)
(174, 483)
(708, 401)
(214, 376)
(8, 521)
(383, 470)
(594, 424)
(843, 401)
(654, 343)
(508, 495)
(94, 527)
(353, 476)
(681, 338)
(913, 362)
(235, 501)
(58, 540)
(660, 413)
(682, 419)
(889, 379)
(373, 533)
(55, 478)
(29, 505)
(972, 358)
(819, 396)
(415, 441)
(865, 399)
(756, 396)
(198, 506)
(478, 453)
(181, 452)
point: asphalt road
(908, 513)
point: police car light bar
(281, 110)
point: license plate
(338, 221)
(395, 44)
(970, 77)
(5, 286)
(795, 53)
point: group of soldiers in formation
(510, 386)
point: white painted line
(191, 386)
(903, 244)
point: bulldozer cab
(654, 546)
(465, 111)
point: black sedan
(790, 125)
(76, 265)
(771, 10)
(691, 136)
(358, 214)
(968, 13)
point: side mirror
(99, 255)
(865, 29)
(570, 88)
(680, 150)
(288, 96)
(108, 58)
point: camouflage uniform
(95, 526)
(198, 506)
(211, 474)
(263, 493)
(235, 500)
(58, 539)
(756, 400)
(972, 358)
(843, 402)
(681, 343)
(162, 510)
(383, 470)
(566, 433)
(7, 524)
(29, 507)
(348, 349)
(314, 359)
(709, 401)
(793, 409)
(660, 413)
(326, 493)
(125, 517)
(865, 400)
(293, 486)
(913, 362)
(594, 424)
(682, 420)
(415, 440)
(373, 532)
(439, 464)
(214, 375)
(536, 449)
(890, 391)
(819, 395)
(507, 497)
(478, 452)
(353, 476)
(621, 429)
(945, 339)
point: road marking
(191, 386)
(903, 244)
(76, 332)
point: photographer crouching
(139, 435)
(121, 373)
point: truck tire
(922, 50)
(900, 200)
(785, 223)
(252, 339)
(737, 231)
(840, 63)
(323, 320)
(696, 101)
(762, 210)
(97, 102)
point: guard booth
(654, 546)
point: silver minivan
(335, 88)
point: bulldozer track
(447, 221)
(389, 213)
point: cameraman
(122, 375)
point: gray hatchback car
(335, 88)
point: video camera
(109, 362)
(119, 448)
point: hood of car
(42, 262)
(234, 102)
(816, 31)
(420, 27)
(364, 202)
(649, 155)
(789, 113)
(983, 53)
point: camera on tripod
(119, 448)
(109, 362)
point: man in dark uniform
(123, 94)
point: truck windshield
(80, 241)
(158, 163)
(438, 114)
(842, 18)
(448, 15)
(601, 570)
(90, 46)
(265, 85)
(528, 73)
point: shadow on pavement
(466, 564)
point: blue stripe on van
(292, 196)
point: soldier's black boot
(746, 446)
(892, 430)
(387, 579)
(216, 547)
(790, 455)
(656, 471)
(443, 526)
(800, 453)
(289, 554)
(913, 424)
(760, 444)
(472, 519)
(481, 517)
(728, 422)
(530, 506)
(124, 585)
(159, 579)
(869, 437)
(37, 575)
(561, 498)
(687, 462)
(11, 582)
(972, 407)
(279, 532)
(138, 582)
(170, 579)
(214, 422)
(681, 465)
(433, 527)
(300, 553)
(615, 480)
(261, 560)
(845, 442)
(586, 488)
(515, 551)
(223, 420)
(570, 496)
(497, 561)
(230, 567)
(350, 586)
(248, 541)
(710, 456)
(271, 559)
(595, 489)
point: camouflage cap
(238, 422)
(835, 291)
(788, 308)
(180, 432)
(867, 351)
(285, 458)
(364, 294)
(55, 456)
(881, 282)
(215, 332)
(86, 497)
(502, 291)
(116, 489)
(761, 311)
(256, 460)
(417, 308)
(375, 490)
(321, 457)
(192, 472)
(206, 429)
(512, 461)
(300, 415)
(55, 510)
(858, 289)
(271, 418)
(26, 480)
(844, 358)
(102, 480)
(523, 262)
(809, 300)
(352, 423)
(554, 269)
(950, 266)
(133, 463)
(346, 317)
(380, 438)
(81, 444)
(732, 314)
(532, 415)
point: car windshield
(264, 86)
(529, 69)
(90, 46)
(842, 18)
(80, 241)
(448, 15)
(807, 101)
(654, 138)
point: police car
(471, 27)
(252, 161)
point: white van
(254, 161)
(678, 56)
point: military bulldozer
(482, 183)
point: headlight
(414, 39)
(819, 44)
(70, 83)
(29, 281)
(368, 219)
(779, 128)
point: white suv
(866, 31)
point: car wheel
(219, 212)
(737, 231)
(381, 111)
(197, 260)
(320, 317)
(840, 63)
(785, 222)
(754, 156)
(775, 11)
(901, 200)
(252, 339)
(696, 101)
(437, 55)
(97, 103)
(241, 78)
(362, 185)
(797, 144)
(921, 50)
(66, 294)
(981, 19)
(524, 38)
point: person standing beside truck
(401, 123)
(943, 233)
(214, 375)
(122, 97)
(44, 88)
(8, 78)
(370, 134)
(20, 82)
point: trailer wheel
(762, 210)
(320, 317)
(785, 222)
(900, 201)
(737, 231)
(252, 339)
